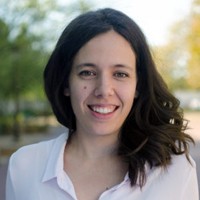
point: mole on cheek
(85, 87)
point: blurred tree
(179, 59)
(21, 69)
(4, 48)
(22, 56)
(80, 6)
(172, 57)
(193, 40)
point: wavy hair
(155, 128)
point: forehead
(109, 47)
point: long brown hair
(155, 128)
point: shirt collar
(55, 161)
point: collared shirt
(36, 173)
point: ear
(66, 92)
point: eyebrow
(123, 66)
(86, 65)
(94, 65)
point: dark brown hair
(155, 128)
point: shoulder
(176, 174)
(177, 181)
(34, 154)
(180, 164)
(179, 170)
(181, 176)
(32, 151)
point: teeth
(103, 110)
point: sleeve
(190, 189)
(10, 192)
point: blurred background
(29, 30)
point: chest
(91, 183)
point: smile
(103, 109)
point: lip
(103, 111)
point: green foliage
(81, 6)
(193, 41)
(21, 68)
(6, 124)
(171, 63)
(179, 59)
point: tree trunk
(16, 98)
(16, 120)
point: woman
(125, 135)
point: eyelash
(121, 75)
(89, 74)
(86, 73)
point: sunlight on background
(154, 17)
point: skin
(102, 88)
(102, 84)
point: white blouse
(36, 172)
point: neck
(93, 147)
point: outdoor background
(29, 30)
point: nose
(104, 87)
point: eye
(87, 74)
(120, 75)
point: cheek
(128, 95)
(79, 93)
(129, 99)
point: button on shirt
(36, 172)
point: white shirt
(36, 173)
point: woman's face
(102, 84)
